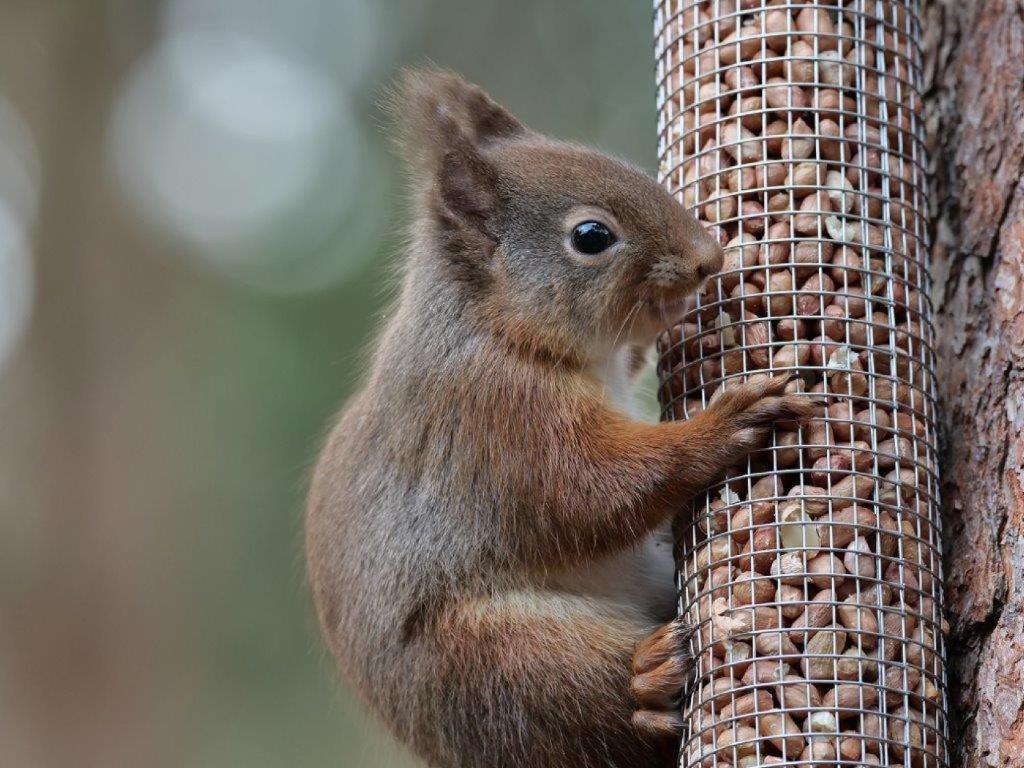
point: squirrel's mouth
(669, 308)
(670, 305)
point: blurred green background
(199, 214)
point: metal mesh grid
(813, 573)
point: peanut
(752, 589)
(782, 732)
(854, 664)
(817, 614)
(819, 753)
(826, 570)
(859, 559)
(740, 740)
(797, 695)
(850, 699)
(765, 671)
(742, 707)
(821, 651)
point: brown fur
(476, 488)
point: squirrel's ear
(434, 110)
(466, 184)
(445, 125)
(462, 199)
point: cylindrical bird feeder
(813, 573)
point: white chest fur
(642, 576)
(618, 385)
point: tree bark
(975, 75)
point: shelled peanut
(791, 130)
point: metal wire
(813, 573)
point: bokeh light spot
(16, 282)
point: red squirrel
(483, 523)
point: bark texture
(975, 75)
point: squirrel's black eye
(592, 237)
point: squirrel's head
(557, 245)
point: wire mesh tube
(813, 573)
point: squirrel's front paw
(750, 409)
(661, 665)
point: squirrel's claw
(660, 687)
(668, 641)
(659, 724)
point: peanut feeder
(813, 573)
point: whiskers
(663, 312)
(626, 326)
(629, 319)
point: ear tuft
(434, 110)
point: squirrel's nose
(710, 258)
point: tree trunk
(976, 127)
(86, 602)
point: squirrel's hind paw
(661, 666)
